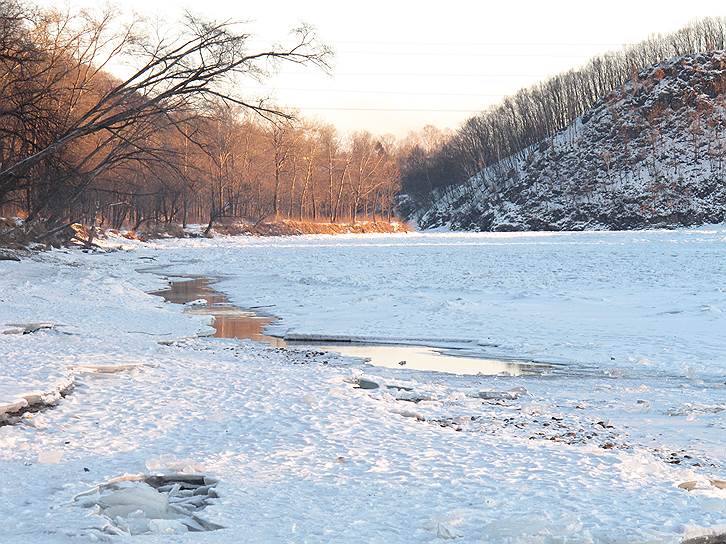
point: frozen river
(620, 430)
(631, 322)
(627, 303)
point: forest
(173, 140)
(500, 135)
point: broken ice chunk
(168, 526)
(141, 497)
(366, 384)
(510, 394)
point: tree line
(110, 121)
(228, 164)
(500, 135)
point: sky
(401, 65)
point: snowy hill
(650, 154)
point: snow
(593, 452)
(646, 299)
(650, 154)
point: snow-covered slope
(650, 154)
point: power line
(326, 108)
(486, 44)
(465, 54)
(402, 74)
(388, 92)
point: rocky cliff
(650, 154)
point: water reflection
(434, 360)
(230, 321)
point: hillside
(650, 154)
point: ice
(171, 467)
(446, 533)
(694, 532)
(171, 526)
(511, 394)
(593, 451)
(51, 457)
(142, 498)
(364, 383)
(136, 504)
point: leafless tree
(66, 122)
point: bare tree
(104, 122)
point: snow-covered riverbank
(303, 455)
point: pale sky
(399, 66)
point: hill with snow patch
(651, 154)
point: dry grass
(295, 228)
(152, 231)
(79, 234)
(15, 235)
